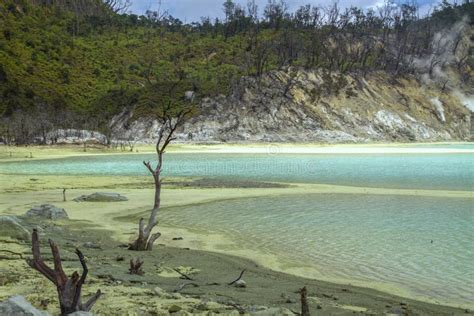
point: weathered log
(69, 289)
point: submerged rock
(19, 306)
(101, 197)
(10, 226)
(81, 313)
(48, 211)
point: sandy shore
(118, 220)
(267, 291)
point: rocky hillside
(317, 106)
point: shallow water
(372, 239)
(379, 239)
(417, 171)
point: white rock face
(74, 136)
(310, 106)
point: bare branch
(240, 277)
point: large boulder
(18, 306)
(101, 197)
(10, 226)
(48, 211)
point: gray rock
(240, 283)
(81, 313)
(101, 197)
(48, 211)
(18, 306)
(11, 226)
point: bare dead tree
(69, 289)
(118, 6)
(304, 302)
(170, 120)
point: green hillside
(77, 66)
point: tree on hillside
(171, 106)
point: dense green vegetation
(75, 66)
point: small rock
(47, 211)
(81, 313)
(11, 226)
(119, 258)
(174, 308)
(101, 197)
(18, 305)
(159, 292)
(240, 283)
(403, 304)
(178, 238)
(319, 307)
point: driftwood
(136, 266)
(240, 277)
(182, 285)
(304, 302)
(183, 276)
(69, 289)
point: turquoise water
(373, 239)
(369, 238)
(429, 171)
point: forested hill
(77, 64)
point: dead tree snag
(170, 121)
(304, 302)
(136, 266)
(69, 289)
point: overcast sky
(193, 10)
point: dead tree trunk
(136, 266)
(145, 238)
(304, 302)
(69, 289)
